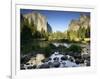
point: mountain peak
(83, 21)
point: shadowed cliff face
(83, 22)
(39, 21)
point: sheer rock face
(83, 21)
(49, 29)
(39, 21)
(74, 25)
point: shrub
(75, 48)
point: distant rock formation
(49, 29)
(83, 21)
(39, 20)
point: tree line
(80, 34)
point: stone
(39, 20)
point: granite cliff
(39, 20)
(83, 22)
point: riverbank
(78, 53)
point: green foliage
(75, 48)
(26, 32)
(68, 34)
(47, 51)
(88, 32)
(57, 36)
(61, 48)
(80, 34)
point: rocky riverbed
(56, 60)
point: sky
(58, 20)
